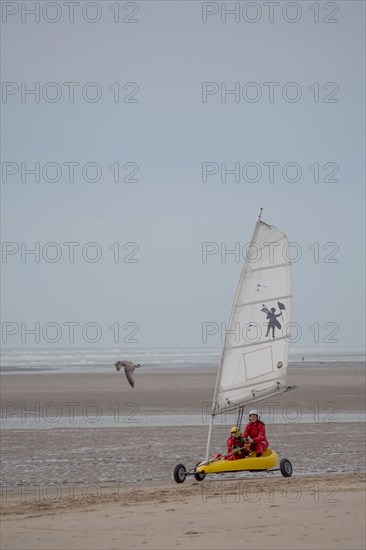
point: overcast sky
(147, 100)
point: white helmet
(254, 411)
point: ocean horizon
(16, 360)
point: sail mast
(218, 377)
(209, 436)
(240, 284)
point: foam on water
(15, 361)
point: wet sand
(97, 487)
(179, 391)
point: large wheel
(199, 476)
(179, 473)
(286, 467)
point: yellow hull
(268, 460)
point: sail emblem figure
(272, 318)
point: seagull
(129, 368)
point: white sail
(254, 359)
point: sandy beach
(87, 463)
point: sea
(63, 360)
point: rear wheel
(286, 467)
(199, 476)
(179, 473)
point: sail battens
(258, 343)
(288, 296)
(272, 266)
(271, 385)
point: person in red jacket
(255, 433)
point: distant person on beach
(255, 433)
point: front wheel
(286, 467)
(179, 473)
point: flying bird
(129, 369)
